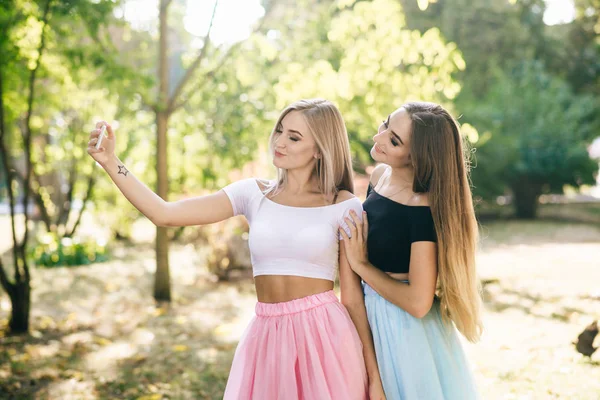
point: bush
(228, 250)
(53, 251)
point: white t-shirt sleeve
(240, 193)
(352, 204)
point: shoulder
(346, 202)
(263, 184)
(245, 186)
(377, 173)
(344, 195)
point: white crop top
(286, 240)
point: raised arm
(194, 211)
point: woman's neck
(401, 177)
(301, 181)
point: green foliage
(87, 72)
(530, 124)
(52, 251)
(370, 66)
(367, 56)
(535, 129)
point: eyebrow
(393, 133)
(281, 128)
(290, 130)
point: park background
(97, 303)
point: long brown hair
(441, 163)
(334, 168)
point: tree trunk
(162, 284)
(526, 196)
(20, 299)
(162, 280)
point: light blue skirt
(418, 359)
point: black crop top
(393, 227)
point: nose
(278, 142)
(377, 136)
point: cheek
(399, 156)
(301, 150)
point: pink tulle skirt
(304, 349)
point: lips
(377, 149)
(278, 154)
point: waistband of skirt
(296, 305)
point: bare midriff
(282, 288)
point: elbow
(421, 309)
(161, 218)
(160, 223)
(352, 304)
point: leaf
(180, 348)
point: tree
(536, 133)
(46, 59)
(18, 288)
(369, 66)
(498, 40)
(168, 102)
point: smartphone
(101, 136)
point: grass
(543, 288)
(98, 334)
(571, 212)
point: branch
(25, 266)
(27, 133)
(164, 4)
(211, 74)
(67, 204)
(9, 187)
(37, 197)
(88, 195)
(8, 287)
(190, 71)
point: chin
(279, 164)
(375, 155)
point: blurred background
(98, 303)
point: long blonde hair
(441, 166)
(334, 168)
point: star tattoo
(122, 170)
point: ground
(97, 332)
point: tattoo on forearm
(122, 170)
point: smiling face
(392, 141)
(310, 136)
(293, 143)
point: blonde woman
(302, 344)
(416, 256)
